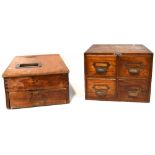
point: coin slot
(28, 65)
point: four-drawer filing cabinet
(118, 72)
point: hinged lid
(36, 65)
(118, 49)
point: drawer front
(37, 82)
(100, 65)
(135, 66)
(100, 88)
(133, 90)
(23, 99)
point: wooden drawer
(133, 90)
(100, 65)
(135, 66)
(100, 88)
(37, 82)
(37, 98)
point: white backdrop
(69, 27)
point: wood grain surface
(49, 64)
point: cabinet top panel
(35, 65)
(118, 48)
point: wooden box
(36, 80)
(118, 73)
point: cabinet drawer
(37, 98)
(100, 65)
(37, 82)
(100, 88)
(133, 90)
(135, 66)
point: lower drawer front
(37, 98)
(133, 90)
(97, 88)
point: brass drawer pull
(101, 90)
(134, 68)
(101, 67)
(134, 92)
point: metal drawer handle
(101, 67)
(28, 65)
(101, 90)
(134, 68)
(134, 92)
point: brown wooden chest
(36, 80)
(118, 72)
